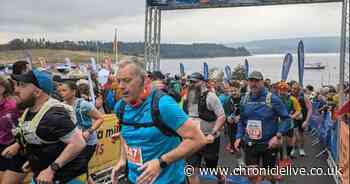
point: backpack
(156, 120)
(203, 112)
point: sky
(97, 19)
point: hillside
(280, 46)
(52, 55)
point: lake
(269, 65)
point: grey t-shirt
(213, 104)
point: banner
(182, 70)
(192, 4)
(205, 71)
(287, 63)
(344, 152)
(107, 153)
(301, 59)
(246, 68)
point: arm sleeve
(281, 111)
(170, 113)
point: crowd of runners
(48, 125)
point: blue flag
(182, 69)
(287, 63)
(301, 59)
(205, 71)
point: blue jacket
(256, 109)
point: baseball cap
(40, 79)
(196, 76)
(256, 75)
(158, 75)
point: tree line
(196, 50)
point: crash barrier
(325, 131)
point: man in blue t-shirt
(150, 155)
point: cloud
(96, 20)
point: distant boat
(314, 66)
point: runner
(156, 134)
(204, 105)
(302, 123)
(231, 100)
(294, 109)
(10, 169)
(259, 131)
(89, 119)
(47, 132)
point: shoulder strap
(246, 98)
(121, 111)
(156, 115)
(269, 99)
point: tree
(16, 44)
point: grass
(54, 56)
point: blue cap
(41, 79)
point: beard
(194, 94)
(30, 102)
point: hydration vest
(26, 130)
(203, 112)
(267, 100)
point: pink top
(8, 120)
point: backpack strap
(120, 112)
(156, 121)
(269, 99)
(156, 115)
(246, 98)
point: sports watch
(162, 163)
(55, 167)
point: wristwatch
(162, 163)
(55, 167)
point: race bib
(134, 155)
(254, 129)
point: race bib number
(134, 155)
(254, 129)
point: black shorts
(257, 152)
(14, 164)
(289, 133)
(232, 130)
(90, 150)
(210, 154)
(299, 125)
